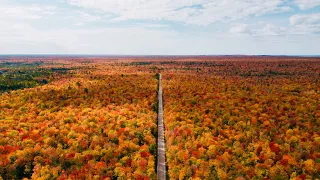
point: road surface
(161, 166)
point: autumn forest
(225, 117)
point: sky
(160, 27)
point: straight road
(161, 166)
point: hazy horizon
(155, 55)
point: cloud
(269, 29)
(35, 12)
(307, 4)
(50, 29)
(25, 12)
(200, 12)
(260, 29)
(151, 25)
(305, 23)
(139, 40)
(306, 19)
(240, 29)
(81, 18)
(121, 40)
(302, 24)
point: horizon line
(160, 55)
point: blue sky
(160, 27)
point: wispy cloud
(269, 29)
(240, 28)
(306, 19)
(81, 18)
(302, 24)
(260, 29)
(201, 12)
(305, 23)
(307, 4)
(160, 26)
(151, 25)
(26, 12)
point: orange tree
(252, 127)
(81, 127)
